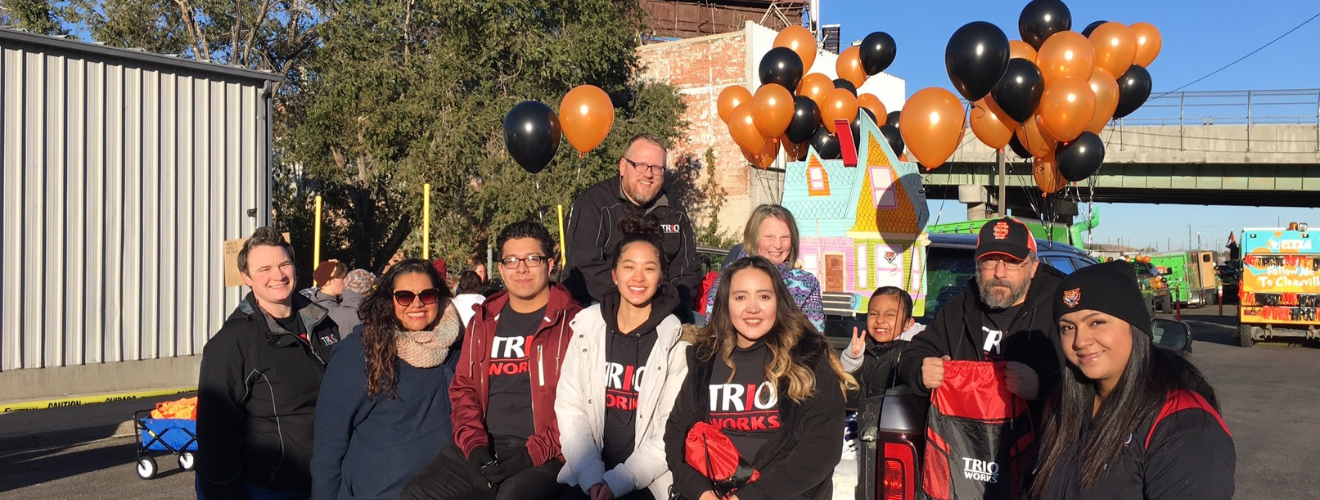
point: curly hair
(789, 328)
(379, 325)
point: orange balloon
(1065, 53)
(871, 102)
(586, 115)
(988, 126)
(772, 107)
(1044, 132)
(1067, 107)
(1115, 47)
(815, 86)
(1148, 44)
(742, 127)
(765, 156)
(1046, 171)
(839, 105)
(1008, 121)
(849, 66)
(800, 41)
(1018, 49)
(1031, 138)
(1105, 87)
(932, 125)
(730, 98)
(795, 152)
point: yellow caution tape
(87, 400)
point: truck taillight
(899, 472)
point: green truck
(1049, 231)
(1190, 276)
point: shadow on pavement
(27, 468)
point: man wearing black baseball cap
(1005, 314)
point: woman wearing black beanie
(1131, 419)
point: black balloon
(782, 66)
(1018, 148)
(826, 144)
(1133, 89)
(806, 118)
(892, 119)
(856, 126)
(531, 133)
(1080, 158)
(976, 58)
(1019, 91)
(877, 52)
(840, 83)
(894, 138)
(1086, 32)
(1042, 18)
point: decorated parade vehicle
(1280, 286)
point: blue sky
(1199, 37)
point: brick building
(700, 68)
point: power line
(1249, 54)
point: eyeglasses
(531, 260)
(405, 298)
(988, 264)
(643, 168)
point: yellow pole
(316, 238)
(426, 221)
(563, 249)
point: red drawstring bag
(979, 439)
(714, 456)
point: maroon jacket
(470, 391)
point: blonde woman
(772, 233)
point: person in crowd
(469, 297)
(873, 353)
(359, 282)
(1003, 315)
(332, 294)
(622, 371)
(259, 380)
(480, 269)
(593, 227)
(383, 411)
(772, 233)
(1131, 419)
(770, 382)
(440, 268)
(506, 441)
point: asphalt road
(1269, 394)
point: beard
(999, 298)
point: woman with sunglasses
(621, 374)
(383, 411)
(1131, 419)
(771, 383)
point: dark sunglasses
(404, 298)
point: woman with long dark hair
(621, 374)
(383, 411)
(765, 378)
(1131, 419)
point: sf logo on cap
(1001, 230)
(1072, 297)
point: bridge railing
(1239, 107)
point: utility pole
(1003, 183)
(1189, 235)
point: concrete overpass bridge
(1247, 148)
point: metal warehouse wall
(124, 172)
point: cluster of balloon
(794, 109)
(1046, 96)
(532, 130)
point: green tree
(37, 16)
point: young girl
(1131, 419)
(873, 354)
(622, 371)
(770, 383)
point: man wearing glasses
(506, 438)
(593, 232)
(1005, 314)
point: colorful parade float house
(861, 225)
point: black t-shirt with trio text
(997, 324)
(745, 408)
(625, 365)
(509, 410)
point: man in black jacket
(593, 231)
(1005, 314)
(259, 381)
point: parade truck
(1280, 286)
(1191, 276)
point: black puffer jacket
(256, 400)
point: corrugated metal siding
(121, 181)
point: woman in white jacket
(620, 376)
